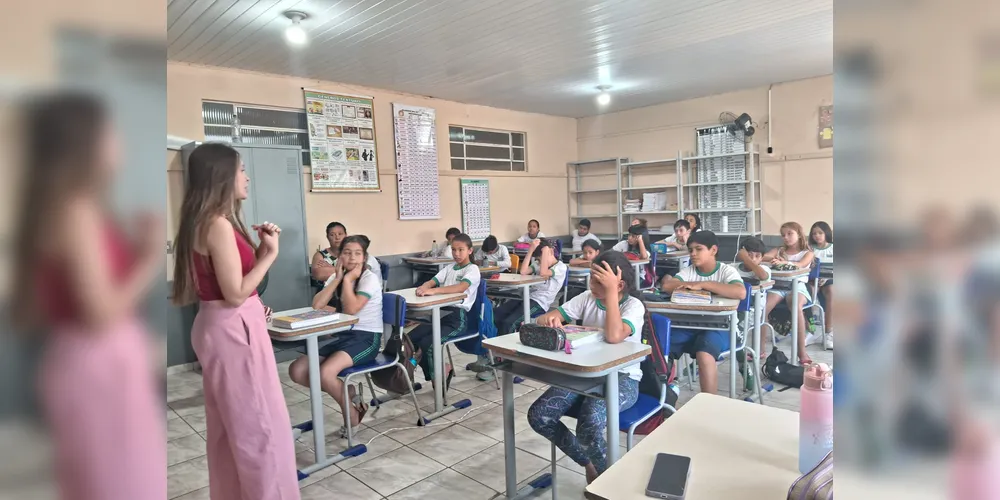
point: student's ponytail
(619, 260)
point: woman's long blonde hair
(210, 192)
(795, 226)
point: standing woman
(250, 449)
(81, 280)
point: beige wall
(515, 197)
(797, 178)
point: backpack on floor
(653, 368)
(395, 380)
(778, 369)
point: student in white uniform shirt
(459, 278)
(444, 251)
(583, 234)
(543, 262)
(533, 232)
(821, 241)
(637, 244)
(610, 304)
(492, 253)
(705, 273)
(353, 289)
(325, 259)
(678, 240)
(752, 271)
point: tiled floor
(459, 457)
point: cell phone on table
(669, 477)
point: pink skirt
(251, 453)
(105, 413)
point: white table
(580, 372)
(791, 277)
(719, 307)
(517, 281)
(737, 450)
(430, 263)
(311, 336)
(637, 265)
(434, 303)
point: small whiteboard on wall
(475, 199)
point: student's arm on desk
(758, 271)
(670, 283)
(367, 285)
(727, 290)
(504, 262)
(579, 262)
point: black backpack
(778, 369)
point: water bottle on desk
(434, 249)
(815, 416)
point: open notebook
(306, 319)
(582, 335)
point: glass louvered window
(482, 149)
(257, 125)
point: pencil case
(542, 337)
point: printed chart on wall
(416, 162)
(341, 142)
(475, 197)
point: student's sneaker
(828, 343)
(485, 376)
(813, 338)
(480, 365)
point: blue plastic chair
(394, 315)
(651, 268)
(470, 342)
(646, 406)
(384, 268)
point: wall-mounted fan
(741, 127)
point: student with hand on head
(492, 253)
(821, 241)
(794, 250)
(583, 234)
(678, 240)
(636, 244)
(533, 232)
(704, 273)
(542, 262)
(611, 305)
(752, 270)
(463, 277)
(591, 249)
(694, 221)
(353, 289)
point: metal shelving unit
(722, 180)
(630, 189)
(575, 186)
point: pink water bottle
(815, 416)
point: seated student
(583, 234)
(493, 254)
(543, 262)
(694, 221)
(590, 250)
(353, 289)
(324, 260)
(612, 283)
(821, 241)
(533, 232)
(751, 253)
(639, 222)
(678, 240)
(794, 250)
(462, 277)
(637, 244)
(705, 273)
(444, 251)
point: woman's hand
(607, 278)
(268, 234)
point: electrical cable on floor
(488, 404)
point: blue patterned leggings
(590, 444)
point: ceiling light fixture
(604, 98)
(296, 34)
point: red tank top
(205, 281)
(56, 298)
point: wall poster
(416, 162)
(341, 142)
(475, 199)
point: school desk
(737, 450)
(592, 370)
(790, 277)
(637, 265)
(434, 303)
(430, 264)
(684, 316)
(502, 281)
(488, 270)
(582, 272)
(311, 336)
